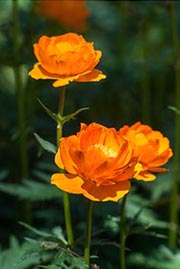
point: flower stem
(60, 111)
(123, 234)
(67, 214)
(66, 203)
(176, 170)
(88, 233)
(22, 129)
(146, 92)
(62, 100)
(20, 95)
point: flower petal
(64, 81)
(145, 175)
(66, 154)
(94, 75)
(106, 192)
(39, 73)
(58, 159)
(68, 183)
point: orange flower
(151, 149)
(70, 13)
(66, 58)
(98, 163)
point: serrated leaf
(48, 146)
(58, 233)
(10, 258)
(65, 259)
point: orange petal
(106, 192)
(64, 81)
(40, 73)
(67, 154)
(145, 175)
(68, 183)
(58, 159)
(94, 75)
(158, 169)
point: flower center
(107, 151)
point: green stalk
(20, 95)
(158, 107)
(66, 203)
(22, 131)
(174, 194)
(123, 234)
(146, 92)
(88, 233)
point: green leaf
(51, 266)
(161, 258)
(176, 110)
(48, 111)
(58, 117)
(139, 211)
(46, 245)
(66, 259)
(36, 231)
(64, 119)
(58, 233)
(141, 218)
(31, 190)
(10, 258)
(48, 146)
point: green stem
(60, 111)
(66, 203)
(174, 194)
(88, 233)
(159, 96)
(146, 92)
(20, 95)
(123, 234)
(62, 100)
(22, 130)
(67, 215)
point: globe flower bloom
(66, 58)
(151, 149)
(69, 13)
(98, 163)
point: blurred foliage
(46, 248)
(9, 257)
(161, 258)
(136, 41)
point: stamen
(108, 152)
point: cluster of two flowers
(100, 161)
